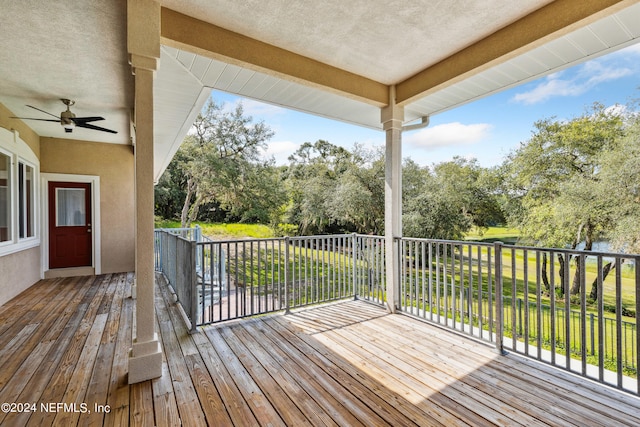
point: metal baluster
(600, 308)
(567, 313)
(470, 288)
(619, 321)
(499, 304)
(552, 311)
(583, 312)
(480, 296)
(490, 292)
(539, 320)
(525, 290)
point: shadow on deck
(65, 342)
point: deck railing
(542, 303)
(592, 300)
(576, 310)
(450, 283)
(238, 278)
(266, 275)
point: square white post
(392, 117)
(143, 37)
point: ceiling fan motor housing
(66, 120)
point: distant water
(604, 246)
(598, 246)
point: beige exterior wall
(114, 165)
(26, 134)
(19, 270)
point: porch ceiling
(325, 58)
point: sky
(487, 129)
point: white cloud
(448, 134)
(617, 109)
(280, 151)
(589, 75)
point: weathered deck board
(348, 363)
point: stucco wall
(26, 134)
(114, 165)
(19, 270)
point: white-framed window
(26, 200)
(5, 196)
(19, 201)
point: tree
(445, 201)
(619, 187)
(333, 189)
(311, 180)
(169, 191)
(556, 177)
(358, 199)
(221, 161)
(474, 189)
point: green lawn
(493, 234)
(224, 230)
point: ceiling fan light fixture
(66, 117)
(67, 124)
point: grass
(315, 275)
(493, 234)
(224, 230)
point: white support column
(145, 357)
(392, 117)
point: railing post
(354, 277)
(193, 283)
(287, 304)
(636, 267)
(498, 299)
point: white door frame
(96, 258)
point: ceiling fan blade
(46, 112)
(88, 126)
(41, 120)
(86, 119)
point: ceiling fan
(68, 120)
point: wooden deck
(65, 341)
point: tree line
(574, 181)
(220, 174)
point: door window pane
(5, 198)
(71, 207)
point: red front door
(70, 241)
